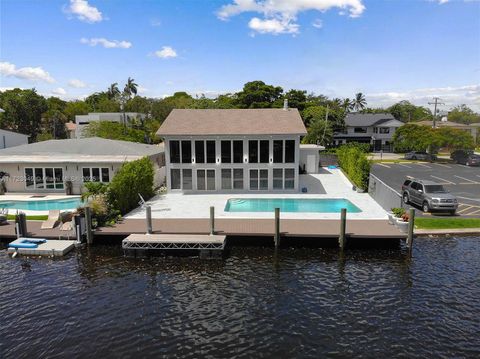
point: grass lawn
(446, 223)
(11, 217)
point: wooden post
(212, 220)
(411, 226)
(88, 224)
(343, 225)
(149, 219)
(277, 227)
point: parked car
(465, 157)
(418, 155)
(429, 195)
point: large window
(227, 178)
(277, 178)
(96, 174)
(226, 148)
(289, 151)
(174, 151)
(186, 152)
(258, 179)
(206, 180)
(264, 151)
(253, 151)
(238, 151)
(360, 130)
(44, 178)
(278, 151)
(289, 178)
(186, 179)
(211, 155)
(175, 178)
(199, 151)
(384, 130)
(237, 178)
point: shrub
(398, 212)
(94, 189)
(354, 162)
(133, 178)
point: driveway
(462, 181)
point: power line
(435, 110)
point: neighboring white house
(11, 139)
(375, 129)
(46, 167)
(233, 150)
(81, 121)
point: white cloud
(25, 73)
(155, 22)
(59, 91)
(317, 23)
(84, 11)
(280, 16)
(109, 44)
(166, 52)
(272, 26)
(77, 83)
(142, 90)
(451, 96)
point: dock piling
(411, 226)
(88, 224)
(277, 227)
(149, 219)
(212, 220)
(342, 239)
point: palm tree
(113, 91)
(347, 104)
(130, 88)
(359, 103)
(336, 102)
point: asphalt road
(460, 180)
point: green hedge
(354, 162)
(133, 178)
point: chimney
(285, 104)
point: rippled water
(300, 303)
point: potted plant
(402, 222)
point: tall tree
(347, 105)
(130, 88)
(359, 102)
(463, 114)
(257, 94)
(23, 111)
(113, 91)
(407, 112)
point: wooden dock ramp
(141, 245)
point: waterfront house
(55, 166)
(82, 121)
(235, 150)
(11, 139)
(375, 129)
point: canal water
(300, 303)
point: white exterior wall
(218, 166)
(83, 120)
(11, 139)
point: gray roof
(200, 122)
(367, 119)
(92, 148)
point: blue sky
(390, 50)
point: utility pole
(435, 110)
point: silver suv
(430, 195)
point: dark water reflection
(255, 303)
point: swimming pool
(42, 205)
(317, 205)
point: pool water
(42, 205)
(317, 205)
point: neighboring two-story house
(232, 150)
(77, 129)
(375, 129)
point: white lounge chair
(51, 222)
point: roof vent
(285, 104)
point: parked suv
(465, 157)
(429, 195)
(418, 155)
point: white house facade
(374, 129)
(82, 121)
(232, 150)
(11, 139)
